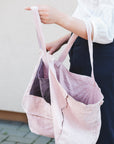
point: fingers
(41, 8)
(28, 8)
(43, 13)
(52, 51)
(49, 50)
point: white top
(101, 14)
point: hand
(48, 15)
(52, 47)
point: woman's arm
(74, 25)
(54, 46)
(63, 40)
(50, 15)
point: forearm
(74, 25)
(64, 39)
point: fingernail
(27, 8)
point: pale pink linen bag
(74, 113)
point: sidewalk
(19, 133)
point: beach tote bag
(61, 104)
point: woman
(101, 15)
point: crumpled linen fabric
(73, 113)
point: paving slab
(53, 139)
(24, 128)
(3, 137)
(32, 135)
(9, 125)
(20, 139)
(14, 132)
(7, 142)
(19, 133)
(42, 140)
(20, 143)
(52, 143)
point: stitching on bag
(66, 105)
(39, 116)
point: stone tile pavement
(12, 132)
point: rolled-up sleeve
(102, 20)
(103, 25)
(101, 31)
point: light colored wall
(19, 48)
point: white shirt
(101, 15)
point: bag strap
(41, 40)
(71, 41)
(63, 55)
(90, 45)
(40, 36)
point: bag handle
(69, 44)
(90, 45)
(64, 54)
(71, 41)
(40, 36)
(41, 40)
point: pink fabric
(74, 114)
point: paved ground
(19, 133)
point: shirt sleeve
(103, 28)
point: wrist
(59, 42)
(63, 40)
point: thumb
(51, 52)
